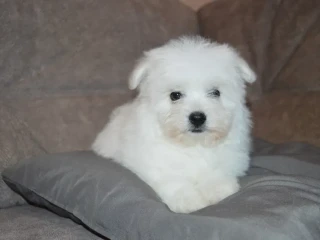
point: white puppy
(187, 133)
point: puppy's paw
(185, 200)
(217, 189)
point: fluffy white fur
(154, 138)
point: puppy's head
(193, 88)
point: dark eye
(174, 96)
(215, 93)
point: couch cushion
(28, 222)
(30, 127)
(280, 39)
(284, 116)
(115, 203)
(64, 66)
(67, 47)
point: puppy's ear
(139, 73)
(247, 74)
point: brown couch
(281, 40)
(64, 65)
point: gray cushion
(30, 223)
(113, 202)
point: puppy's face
(193, 88)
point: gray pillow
(113, 202)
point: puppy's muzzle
(197, 120)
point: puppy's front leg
(181, 196)
(215, 188)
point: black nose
(197, 118)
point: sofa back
(281, 41)
(64, 67)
